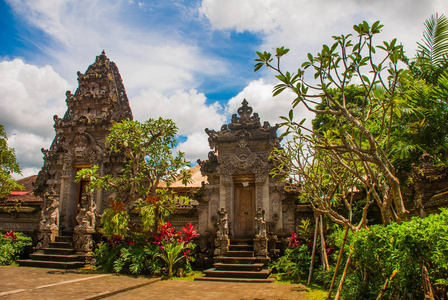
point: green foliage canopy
(8, 165)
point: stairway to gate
(60, 254)
(239, 265)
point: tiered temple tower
(97, 104)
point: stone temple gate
(239, 181)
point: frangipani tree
(357, 141)
(148, 149)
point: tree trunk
(314, 251)
(339, 261)
(341, 283)
(322, 245)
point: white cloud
(259, 95)
(28, 150)
(29, 97)
(304, 26)
(252, 15)
(187, 109)
(195, 147)
(147, 58)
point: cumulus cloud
(30, 96)
(305, 25)
(259, 95)
(195, 147)
(81, 29)
(188, 109)
(28, 150)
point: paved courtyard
(34, 283)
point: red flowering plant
(293, 240)
(10, 235)
(294, 262)
(174, 246)
(12, 246)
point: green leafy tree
(432, 60)
(362, 136)
(423, 129)
(148, 149)
(8, 165)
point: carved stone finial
(245, 111)
(245, 120)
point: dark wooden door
(244, 211)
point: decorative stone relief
(50, 213)
(260, 224)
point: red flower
(188, 232)
(10, 235)
(294, 241)
(115, 240)
(166, 234)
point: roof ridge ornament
(245, 120)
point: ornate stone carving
(82, 241)
(50, 212)
(223, 224)
(260, 224)
(86, 217)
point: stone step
(235, 260)
(58, 251)
(56, 258)
(213, 272)
(239, 267)
(248, 280)
(63, 238)
(240, 253)
(241, 248)
(61, 245)
(242, 242)
(50, 264)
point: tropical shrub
(132, 255)
(12, 245)
(295, 261)
(115, 220)
(407, 248)
(175, 246)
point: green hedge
(12, 245)
(406, 247)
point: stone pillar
(222, 244)
(261, 246)
(83, 240)
(46, 236)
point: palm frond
(434, 46)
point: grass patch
(189, 277)
(315, 292)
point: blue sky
(189, 60)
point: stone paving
(35, 283)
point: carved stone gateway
(239, 165)
(97, 104)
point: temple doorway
(244, 214)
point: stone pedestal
(222, 244)
(83, 240)
(261, 246)
(46, 236)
